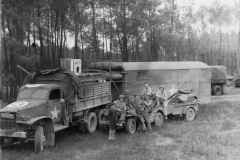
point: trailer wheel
(158, 120)
(39, 139)
(131, 126)
(100, 116)
(217, 90)
(190, 115)
(92, 122)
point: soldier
(162, 99)
(147, 90)
(141, 111)
(112, 116)
(148, 103)
(120, 107)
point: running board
(59, 126)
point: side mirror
(62, 100)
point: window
(34, 93)
(55, 94)
(143, 75)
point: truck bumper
(13, 135)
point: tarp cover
(69, 82)
(218, 72)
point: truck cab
(37, 106)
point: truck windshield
(33, 94)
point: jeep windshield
(33, 93)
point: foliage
(36, 34)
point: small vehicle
(186, 107)
(130, 123)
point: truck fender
(159, 109)
(47, 122)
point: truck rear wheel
(82, 128)
(131, 126)
(92, 122)
(1, 142)
(237, 83)
(100, 116)
(158, 120)
(103, 127)
(39, 139)
(217, 90)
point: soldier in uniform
(142, 113)
(112, 116)
(147, 90)
(162, 99)
(120, 107)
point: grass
(213, 135)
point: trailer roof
(163, 65)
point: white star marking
(173, 90)
(54, 113)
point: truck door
(54, 107)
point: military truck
(218, 79)
(52, 100)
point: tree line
(36, 34)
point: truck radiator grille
(7, 121)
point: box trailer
(195, 76)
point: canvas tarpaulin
(69, 82)
(218, 73)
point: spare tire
(217, 90)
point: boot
(144, 128)
(110, 135)
(113, 134)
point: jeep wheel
(39, 139)
(131, 126)
(158, 120)
(104, 127)
(190, 115)
(92, 122)
(217, 90)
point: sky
(198, 3)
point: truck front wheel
(217, 90)
(39, 139)
(92, 122)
